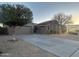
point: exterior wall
(24, 30)
(21, 30)
(53, 28)
(71, 28)
(48, 27)
(42, 29)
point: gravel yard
(21, 48)
(67, 36)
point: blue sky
(44, 11)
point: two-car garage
(26, 29)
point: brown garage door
(42, 29)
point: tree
(62, 20)
(15, 15)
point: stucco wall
(42, 29)
(50, 27)
(24, 30)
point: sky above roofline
(45, 11)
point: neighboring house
(71, 28)
(47, 27)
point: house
(42, 28)
(72, 28)
(47, 27)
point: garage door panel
(24, 30)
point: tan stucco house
(41, 28)
(47, 27)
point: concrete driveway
(58, 46)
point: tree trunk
(67, 29)
(11, 31)
(60, 29)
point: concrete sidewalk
(58, 46)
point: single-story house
(47, 27)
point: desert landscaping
(21, 48)
(39, 29)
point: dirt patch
(21, 48)
(67, 36)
